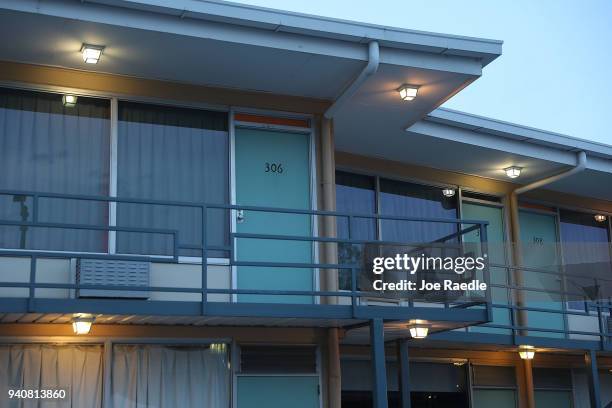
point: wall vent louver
(112, 272)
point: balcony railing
(253, 250)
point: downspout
(581, 160)
(369, 70)
(328, 187)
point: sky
(555, 72)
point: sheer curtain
(171, 154)
(48, 147)
(77, 369)
(167, 377)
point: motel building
(193, 195)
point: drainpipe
(581, 160)
(328, 187)
(369, 70)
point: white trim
(113, 173)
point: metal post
(404, 372)
(528, 376)
(379, 371)
(590, 360)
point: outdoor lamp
(513, 171)
(91, 53)
(82, 324)
(418, 330)
(69, 100)
(600, 217)
(526, 352)
(448, 192)
(408, 92)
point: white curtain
(77, 369)
(168, 377)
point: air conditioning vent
(112, 272)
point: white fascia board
(300, 23)
(173, 23)
(507, 145)
(518, 132)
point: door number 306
(274, 167)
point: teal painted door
(497, 255)
(539, 250)
(278, 392)
(273, 170)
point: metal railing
(30, 220)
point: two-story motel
(190, 192)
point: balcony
(256, 275)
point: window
(75, 369)
(586, 256)
(403, 199)
(48, 147)
(170, 376)
(171, 154)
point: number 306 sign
(274, 168)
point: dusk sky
(556, 69)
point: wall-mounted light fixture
(448, 192)
(600, 217)
(526, 352)
(408, 92)
(513, 171)
(69, 100)
(418, 329)
(81, 323)
(91, 53)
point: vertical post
(32, 293)
(404, 372)
(528, 376)
(379, 371)
(107, 393)
(521, 314)
(112, 185)
(204, 259)
(590, 360)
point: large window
(161, 153)
(171, 154)
(48, 147)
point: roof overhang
(455, 141)
(243, 47)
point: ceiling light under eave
(91, 53)
(448, 192)
(600, 217)
(69, 100)
(408, 92)
(513, 171)
(526, 352)
(418, 329)
(81, 324)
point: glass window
(355, 194)
(48, 147)
(171, 154)
(415, 200)
(586, 257)
(75, 369)
(170, 376)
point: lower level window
(170, 376)
(69, 374)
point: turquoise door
(273, 170)
(539, 250)
(497, 255)
(278, 392)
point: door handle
(240, 216)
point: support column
(528, 376)
(379, 370)
(334, 376)
(404, 372)
(517, 258)
(590, 360)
